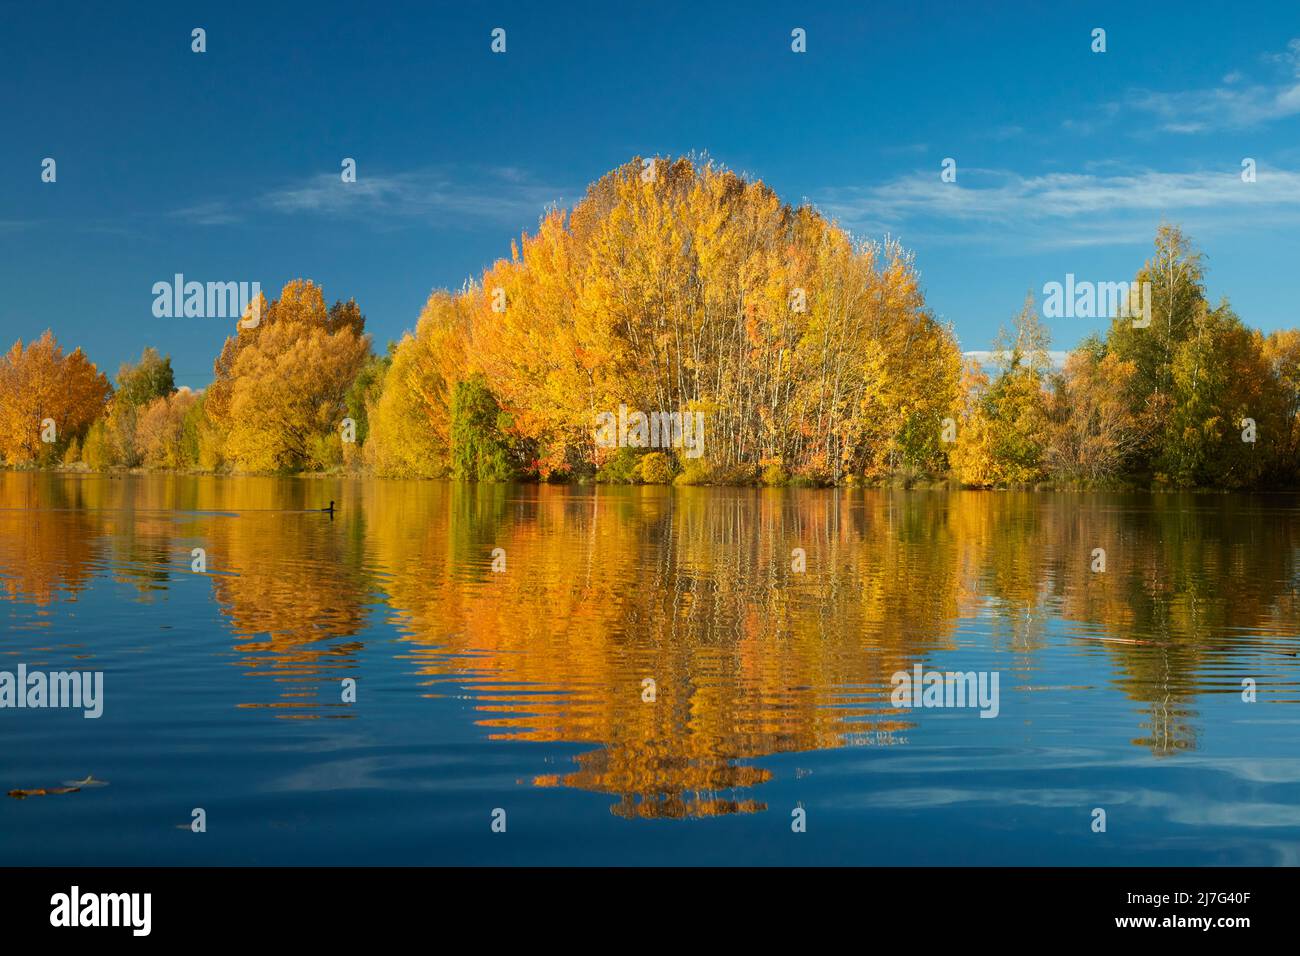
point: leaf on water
(41, 792)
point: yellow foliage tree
(1006, 427)
(1281, 354)
(410, 421)
(280, 385)
(677, 286)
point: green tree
(1218, 380)
(1176, 277)
(192, 433)
(147, 379)
(479, 448)
(365, 391)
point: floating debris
(90, 781)
(41, 792)
(69, 786)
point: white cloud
(1065, 209)
(442, 195)
(207, 214)
(505, 194)
(1234, 104)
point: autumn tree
(1280, 352)
(1094, 431)
(46, 400)
(409, 421)
(1208, 396)
(677, 286)
(280, 388)
(165, 431)
(1005, 434)
(138, 384)
(1223, 425)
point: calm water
(522, 690)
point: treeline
(680, 287)
(279, 393)
(1194, 399)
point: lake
(641, 675)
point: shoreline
(923, 485)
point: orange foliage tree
(46, 395)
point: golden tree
(280, 385)
(410, 421)
(676, 286)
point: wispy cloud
(502, 194)
(1064, 209)
(904, 149)
(1233, 104)
(437, 195)
(1005, 132)
(214, 213)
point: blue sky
(224, 165)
